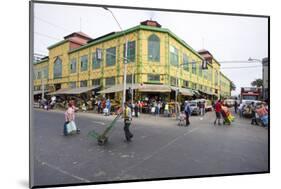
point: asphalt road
(160, 149)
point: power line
(241, 67)
(238, 61)
(58, 26)
(48, 36)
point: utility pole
(125, 74)
(42, 84)
(133, 70)
(126, 61)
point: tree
(232, 86)
(257, 83)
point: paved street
(159, 149)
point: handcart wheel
(102, 141)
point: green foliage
(257, 83)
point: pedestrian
(235, 106)
(158, 108)
(93, 102)
(218, 112)
(137, 109)
(253, 114)
(187, 112)
(199, 104)
(132, 106)
(127, 122)
(108, 105)
(166, 110)
(202, 107)
(99, 105)
(70, 116)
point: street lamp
(263, 73)
(254, 59)
(42, 84)
(126, 54)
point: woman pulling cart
(227, 117)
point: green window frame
(84, 63)
(153, 47)
(129, 79)
(84, 83)
(57, 68)
(96, 64)
(111, 56)
(72, 85)
(195, 86)
(205, 74)
(185, 62)
(173, 81)
(194, 67)
(73, 65)
(96, 82)
(110, 81)
(216, 78)
(153, 77)
(210, 75)
(185, 83)
(174, 56)
(45, 73)
(39, 75)
(131, 54)
(200, 70)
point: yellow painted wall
(141, 67)
(60, 51)
(38, 68)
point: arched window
(58, 68)
(153, 48)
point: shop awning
(74, 91)
(154, 88)
(195, 92)
(119, 88)
(39, 92)
(184, 91)
(205, 92)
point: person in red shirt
(218, 112)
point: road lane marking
(157, 151)
(99, 122)
(62, 171)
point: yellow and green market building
(158, 64)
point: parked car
(194, 108)
(208, 104)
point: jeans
(128, 134)
(64, 128)
(187, 118)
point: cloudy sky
(228, 38)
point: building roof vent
(151, 23)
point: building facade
(155, 56)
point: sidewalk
(149, 119)
(144, 118)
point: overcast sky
(228, 38)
